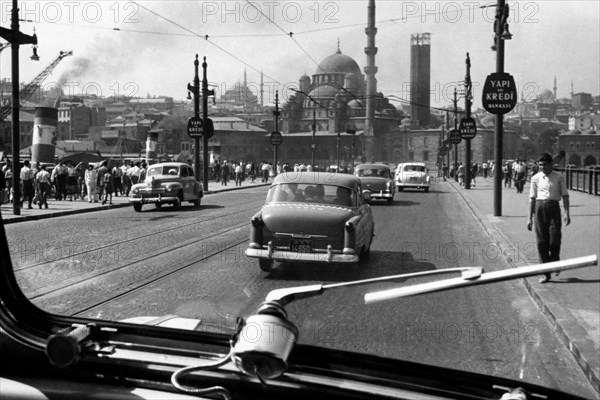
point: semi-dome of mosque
(338, 63)
(324, 92)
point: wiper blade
(287, 295)
(490, 277)
(273, 335)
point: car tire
(177, 203)
(196, 203)
(265, 265)
(390, 200)
(137, 207)
(400, 189)
(158, 206)
(426, 189)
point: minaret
(262, 90)
(370, 71)
(555, 88)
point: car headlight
(135, 190)
(170, 188)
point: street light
(16, 38)
(501, 34)
(313, 146)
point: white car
(412, 175)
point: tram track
(78, 296)
(66, 248)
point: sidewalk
(571, 301)
(57, 208)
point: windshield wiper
(273, 335)
(263, 341)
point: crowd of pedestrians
(67, 181)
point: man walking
(27, 177)
(546, 190)
(43, 181)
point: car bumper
(153, 199)
(282, 255)
(382, 194)
(412, 185)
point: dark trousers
(548, 230)
(44, 189)
(28, 192)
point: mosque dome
(338, 63)
(546, 96)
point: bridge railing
(582, 179)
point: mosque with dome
(328, 112)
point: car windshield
(164, 170)
(311, 193)
(200, 107)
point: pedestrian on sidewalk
(108, 182)
(43, 180)
(91, 179)
(28, 178)
(460, 172)
(546, 190)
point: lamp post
(208, 130)
(16, 38)
(501, 34)
(195, 91)
(313, 145)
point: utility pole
(468, 102)
(206, 123)
(448, 138)
(501, 33)
(276, 114)
(195, 90)
(455, 101)
(313, 146)
(16, 38)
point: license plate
(301, 246)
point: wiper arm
(287, 295)
(264, 340)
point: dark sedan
(312, 217)
(377, 179)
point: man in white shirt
(546, 190)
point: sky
(147, 48)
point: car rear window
(419, 168)
(311, 193)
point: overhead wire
(207, 37)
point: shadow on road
(379, 263)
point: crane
(32, 86)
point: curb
(554, 317)
(107, 207)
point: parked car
(377, 179)
(312, 217)
(167, 183)
(412, 175)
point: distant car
(167, 183)
(412, 175)
(377, 179)
(312, 217)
